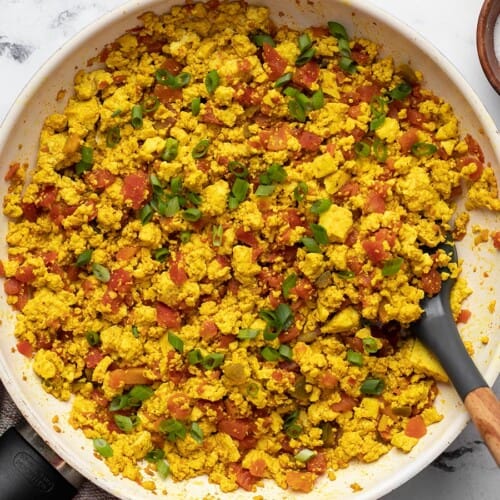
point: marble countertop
(31, 30)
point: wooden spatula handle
(484, 409)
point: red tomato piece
(310, 141)
(237, 429)
(367, 92)
(275, 62)
(328, 380)
(136, 188)
(121, 281)
(47, 197)
(166, 94)
(300, 481)
(11, 172)
(178, 405)
(30, 211)
(415, 118)
(167, 317)
(100, 178)
(113, 301)
(93, 357)
(25, 274)
(375, 251)
(346, 403)
(177, 273)
(408, 139)
(375, 203)
(464, 316)
(431, 282)
(307, 74)
(12, 286)
(126, 253)
(25, 348)
(496, 239)
(317, 464)
(258, 468)
(243, 477)
(246, 237)
(415, 427)
(208, 329)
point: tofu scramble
(225, 238)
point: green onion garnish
(84, 258)
(176, 342)
(146, 213)
(264, 190)
(310, 244)
(141, 392)
(319, 234)
(239, 192)
(194, 357)
(163, 468)
(212, 81)
(155, 455)
(217, 232)
(196, 433)
(171, 149)
(196, 106)
(260, 39)
(305, 57)
(164, 77)
(101, 273)
(293, 431)
(317, 99)
(401, 91)
(300, 191)
(423, 149)
(93, 338)
(135, 331)
(320, 206)
(200, 150)
(304, 455)
(297, 111)
(347, 64)
(337, 30)
(270, 354)
(247, 333)
(113, 136)
(392, 266)
(238, 169)
(212, 361)
(126, 424)
(161, 254)
(285, 351)
(287, 285)
(372, 386)
(192, 214)
(87, 159)
(283, 79)
(173, 428)
(370, 345)
(150, 104)
(136, 118)
(345, 274)
(355, 358)
(379, 150)
(172, 207)
(103, 448)
(362, 149)
(185, 236)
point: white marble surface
(31, 30)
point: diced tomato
(126, 253)
(350, 188)
(208, 116)
(247, 443)
(367, 92)
(167, 317)
(177, 272)
(247, 96)
(275, 139)
(306, 75)
(112, 300)
(237, 429)
(303, 289)
(464, 316)
(408, 139)
(467, 160)
(415, 118)
(171, 65)
(474, 148)
(258, 468)
(127, 376)
(25, 348)
(374, 203)
(25, 274)
(223, 341)
(317, 464)
(30, 211)
(387, 235)
(246, 237)
(166, 94)
(47, 197)
(178, 376)
(135, 188)
(60, 210)
(300, 481)
(88, 287)
(243, 477)
(309, 141)
(496, 239)
(11, 172)
(208, 329)
(375, 250)
(100, 178)
(346, 403)
(121, 281)
(328, 380)
(271, 278)
(178, 405)
(2, 270)
(276, 63)
(93, 357)
(431, 282)
(415, 427)
(12, 286)
(150, 43)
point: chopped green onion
(146, 213)
(136, 119)
(377, 122)
(194, 357)
(344, 47)
(304, 455)
(270, 354)
(212, 81)
(135, 331)
(161, 254)
(239, 191)
(297, 111)
(392, 266)
(192, 214)
(126, 424)
(372, 386)
(283, 79)
(116, 112)
(379, 150)
(275, 173)
(238, 169)
(194, 198)
(212, 361)
(252, 389)
(196, 106)
(196, 432)
(93, 338)
(87, 154)
(103, 448)
(155, 455)
(163, 468)
(345, 274)
(217, 232)
(370, 345)
(173, 428)
(291, 92)
(320, 206)
(119, 402)
(247, 333)
(185, 236)
(176, 185)
(200, 150)
(176, 342)
(171, 149)
(164, 77)
(260, 39)
(141, 392)
(319, 234)
(347, 64)
(293, 431)
(150, 104)
(337, 30)
(317, 99)
(113, 136)
(305, 57)
(401, 91)
(362, 149)
(287, 285)
(423, 149)
(355, 358)
(300, 191)
(285, 351)
(84, 258)
(304, 42)
(310, 244)
(101, 273)
(172, 207)
(264, 190)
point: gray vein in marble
(444, 461)
(17, 51)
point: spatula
(438, 331)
